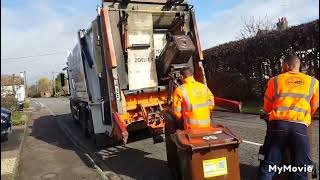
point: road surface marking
(7, 165)
(42, 105)
(253, 143)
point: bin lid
(204, 138)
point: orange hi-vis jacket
(292, 96)
(193, 102)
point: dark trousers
(282, 134)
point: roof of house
(9, 80)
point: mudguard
(120, 131)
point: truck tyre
(76, 121)
(84, 121)
(90, 123)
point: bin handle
(232, 135)
(229, 132)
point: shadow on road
(248, 172)
(135, 164)
(123, 161)
(127, 162)
(138, 135)
(46, 128)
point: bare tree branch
(253, 26)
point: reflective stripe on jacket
(292, 96)
(193, 102)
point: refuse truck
(119, 72)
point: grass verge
(19, 117)
(247, 107)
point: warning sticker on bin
(215, 167)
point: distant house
(45, 94)
(13, 85)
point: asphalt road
(48, 154)
(141, 159)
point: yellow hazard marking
(215, 167)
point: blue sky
(31, 27)
(205, 9)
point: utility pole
(25, 83)
(54, 83)
(13, 89)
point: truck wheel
(85, 131)
(76, 121)
(90, 123)
(84, 122)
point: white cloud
(227, 23)
(37, 29)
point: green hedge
(26, 104)
(19, 118)
(240, 70)
(9, 102)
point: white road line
(51, 112)
(253, 143)
(42, 105)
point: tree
(33, 91)
(44, 84)
(58, 84)
(254, 26)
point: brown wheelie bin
(208, 154)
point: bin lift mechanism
(174, 79)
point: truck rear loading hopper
(114, 81)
